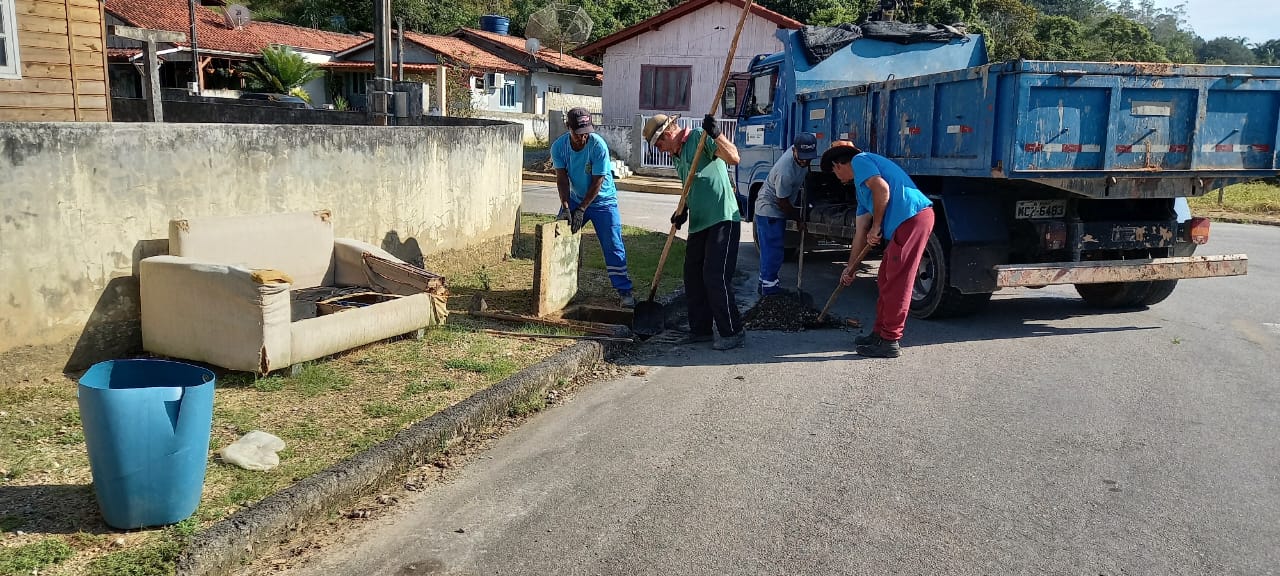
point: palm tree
(282, 70)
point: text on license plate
(1026, 209)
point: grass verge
(1253, 201)
(326, 412)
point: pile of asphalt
(786, 313)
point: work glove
(680, 219)
(564, 213)
(711, 126)
(578, 220)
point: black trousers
(710, 261)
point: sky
(1258, 20)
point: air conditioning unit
(493, 81)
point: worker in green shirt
(715, 228)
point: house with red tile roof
(496, 83)
(549, 71)
(672, 61)
(222, 43)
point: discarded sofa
(262, 293)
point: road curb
(228, 544)
(621, 184)
(1244, 220)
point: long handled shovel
(650, 316)
(840, 285)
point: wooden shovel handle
(840, 285)
(702, 141)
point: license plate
(1029, 209)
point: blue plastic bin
(146, 426)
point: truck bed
(1101, 130)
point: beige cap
(655, 126)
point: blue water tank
(494, 23)
(146, 428)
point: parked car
(295, 101)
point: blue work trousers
(770, 233)
(608, 224)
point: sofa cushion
(298, 243)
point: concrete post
(440, 98)
(151, 75)
(637, 143)
(555, 125)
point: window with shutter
(665, 88)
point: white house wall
(699, 40)
(492, 101)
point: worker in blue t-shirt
(584, 177)
(890, 207)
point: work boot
(882, 349)
(694, 338)
(628, 299)
(871, 338)
(731, 342)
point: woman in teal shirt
(715, 228)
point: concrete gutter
(632, 184)
(227, 545)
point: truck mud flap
(1102, 271)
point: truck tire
(1114, 294)
(932, 296)
(1161, 289)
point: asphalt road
(1040, 437)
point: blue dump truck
(1041, 172)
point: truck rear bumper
(1012, 275)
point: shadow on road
(1005, 318)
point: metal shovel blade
(650, 318)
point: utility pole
(380, 95)
(400, 49)
(195, 49)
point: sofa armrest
(214, 313)
(349, 266)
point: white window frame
(12, 69)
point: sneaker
(871, 338)
(731, 342)
(692, 338)
(883, 349)
(628, 299)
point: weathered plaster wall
(82, 203)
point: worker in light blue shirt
(778, 201)
(891, 210)
(584, 178)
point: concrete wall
(85, 202)
(535, 125)
(567, 84)
(564, 102)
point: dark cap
(579, 121)
(806, 146)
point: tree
(1119, 39)
(281, 70)
(1081, 11)
(1009, 27)
(1226, 50)
(1060, 38)
(1268, 53)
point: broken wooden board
(555, 266)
